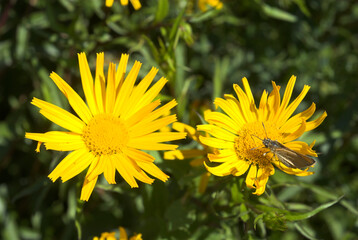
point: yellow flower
(200, 155)
(203, 4)
(136, 3)
(109, 134)
(236, 133)
(122, 236)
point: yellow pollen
(105, 135)
(249, 147)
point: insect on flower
(288, 157)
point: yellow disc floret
(248, 145)
(105, 135)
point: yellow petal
(121, 71)
(251, 176)
(122, 234)
(142, 129)
(217, 132)
(139, 155)
(250, 97)
(216, 143)
(96, 168)
(223, 169)
(221, 158)
(182, 127)
(109, 170)
(124, 2)
(153, 170)
(139, 91)
(248, 110)
(293, 123)
(87, 188)
(74, 99)
(232, 110)
(273, 102)
(158, 137)
(297, 133)
(204, 180)
(121, 106)
(151, 93)
(262, 108)
(287, 96)
(136, 4)
(109, 3)
(286, 113)
(68, 161)
(77, 167)
(121, 165)
(87, 82)
(65, 146)
(110, 89)
(100, 82)
(141, 114)
(59, 116)
(241, 167)
(313, 124)
(54, 136)
(301, 147)
(221, 120)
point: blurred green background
(202, 54)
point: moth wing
(293, 159)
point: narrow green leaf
(174, 30)
(304, 231)
(22, 36)
(295, 216)
(154, 50)
(162, 10)
(258, 218)
(278, 13)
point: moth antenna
(254, 141)
(256, 137)
(264, 129)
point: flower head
(236, 134)
(203, 4)
(136, 3)
(122, 236)
(109, 133)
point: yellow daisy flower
(136, 3)
(119, 121)
(199, 155)
(203, 4)
(236, 134)
(122, 236)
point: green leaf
(244, 214)
(174, 30)
(304, 231)
(22, 36)
(278, 13)
(162, 10)
(294, 216)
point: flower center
(249, 147)
(105, 135)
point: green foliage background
(202, 54)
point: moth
(288, 157)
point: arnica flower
(199, 156)
(236, 133)
(122, 236)
(203, 4)
(119, 121)
(136, 3)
